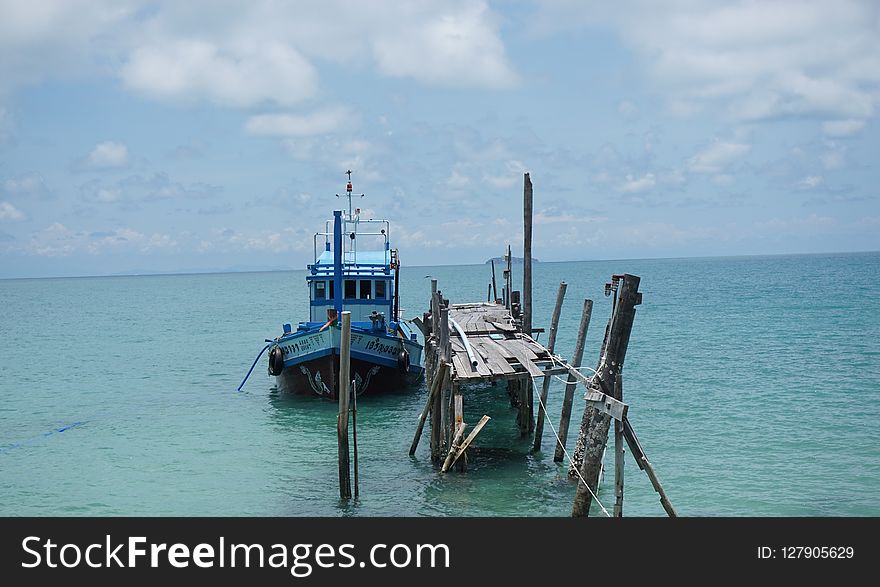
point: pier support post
(527, 256)
(568, 398)
(593, 436)
(342, 418)
(545, 386)
(438, 377)
(618, 453)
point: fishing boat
(357, 271)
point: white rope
(570, 461)
(553, 428)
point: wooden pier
(487, 343)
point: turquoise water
(753, 384)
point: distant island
(513, 260)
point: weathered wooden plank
(606, 404)
(525, 358)
(498, 348)
(497, 363)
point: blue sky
(160, 136)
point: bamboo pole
(568, 398)
(342, 417)
(551, 343)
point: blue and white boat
(357, 271)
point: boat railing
(350, 251)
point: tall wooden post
(527, 255)
(618, 453)
(354, 436)
(568, 398)
(593, 436)
(551, 343)
(342, 417)
(494, 289)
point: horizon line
(227, 271)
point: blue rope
(251, 370)
(43, 435)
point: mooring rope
(243, 381)
(556, 434)
(52, 432)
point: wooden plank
(606, 404)
(525, 358)
(494, 360)
(498, 348)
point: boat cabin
(367, 277)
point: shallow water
(753, 384)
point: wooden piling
(545, 387)
(570, 385)
(618, 453)
(342, 417)
(593, 435)
(354, 436)
(494, 290)
(438, 377)
(522, 391)
(527, 255)
(436, 416)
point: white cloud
(324, 121)
(107, 155)
(57, 240)
(10, 212)
(241, 75)
(628, 109)
(842, 128)
(457, 180)
(638, 184)
(249, 52)
(457, 46)
(753, 59)
(716, 156)
(834, 157)
(810, 181)
(29, 185)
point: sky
(153, 136)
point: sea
(753, 385)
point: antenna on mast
(348, 189)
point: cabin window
(366, 289)
(350, 289)
(332, 290)
(320, 290)
(380, 289)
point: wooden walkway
(501, 352)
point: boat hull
(320, 377)
(311, 362)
